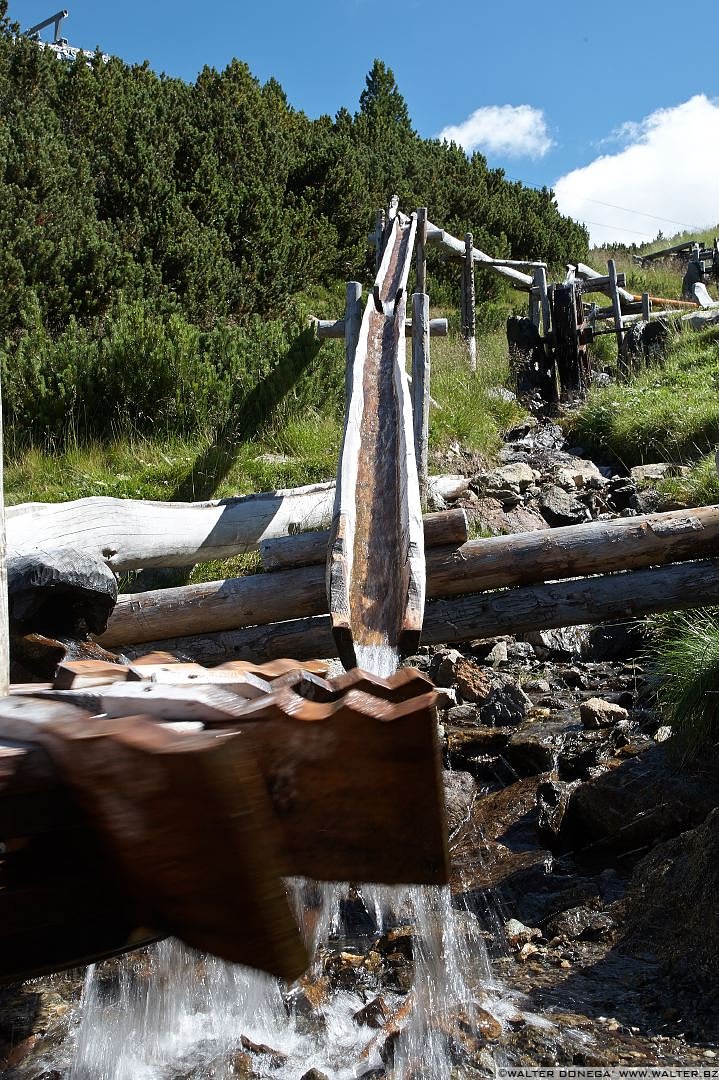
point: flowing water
(167, 1012)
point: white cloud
(665, 169)
(511, 130)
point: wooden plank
(421, 375)
(445, 527)
(451, 244)
(189, 821)
(204, 703)
(622, 371)
(351, 328)
(540, 277)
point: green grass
(685, 666)
(668, 413)
(660, 278)
(699, 487)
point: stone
(274, 1058)
(580, 924)
(597, 713)
(536, 746)
(473, 682)
(464, 745)
(463, 715)
(562, 642)
(498, 654)
(500, 698)
(645, 474)
(443, 665)
(614, 641)
(552, 799)
(460, 791)
(518, 934)
(374, 1014)
(560, 508)
(501, 393)
(492, 517)
(420, 662)
(518, 474)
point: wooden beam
(617, 312)
(421, 371)
(469, 302)
(335, 328)
(486, 564)
(351, 328)
(447, 527)
(450, 243)
(422, 250)
(513, 611)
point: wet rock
(473, 682)
(638, 802)
(597, 713)
(500, 698)
(671, 911)
(314, 1074)
(460, 791)
(518, 934)
(552, 799)
(465, 745)
(274, 1058)
(559, 508)
(537, 686)
(374, 1014)
(535, 747)
(463, 715)
(580, 923)
(420, 662)
(620, 491)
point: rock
(518, 934)
(552, 799)
(614, 641)
(473, 682)
(518, 474)
(491, 516)
(579, 924)
(446, 697)
(460, 791)
(671, 911)
(274, 1058)
(314, 1074)
(564, 641)
(463, 715)
(501, 393)
(535, 747)
(620, 491)
(374, 1014)
(639, 802)
(644, 474)
(597, 713)
(443, 665)
(559, 508)
(662, 733)
(537, 686)
(498, 654)
(420, 662)
(464, 746)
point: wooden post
(4, 630)
(422, 249)
(420, 387)
(353, 320)
(378, 238)
(646, 307)
(617, 312)
(540, 277)
(534, 308)
(469, 305)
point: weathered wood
(421, 373)
(540, 277)
(590, 275)
(512, 611)
(469, 304)
(422, 250)
(617, 312)
(379, 226)
(375, 569)
(351, 327)
(646, 307)
(446, 527)
(335, 328)
(450, 243)
(4, 624)
(130, 533)
(491, 563)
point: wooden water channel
(259, 769)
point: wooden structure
(119, 830)
(375, 563)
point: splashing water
(167, 1011)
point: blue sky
(603, 102)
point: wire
(623, 228)
(642, 213)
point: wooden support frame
(617, 312)
(470, 315)
(421, 370)
(422, 250)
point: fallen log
(511, 611)
(493, 563)
(132, 534)
(310, 548)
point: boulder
(552, 799)
(580, 924)
(460, 791)
(558, 507)
(597, 713)
(560, 643)
(646, 474)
